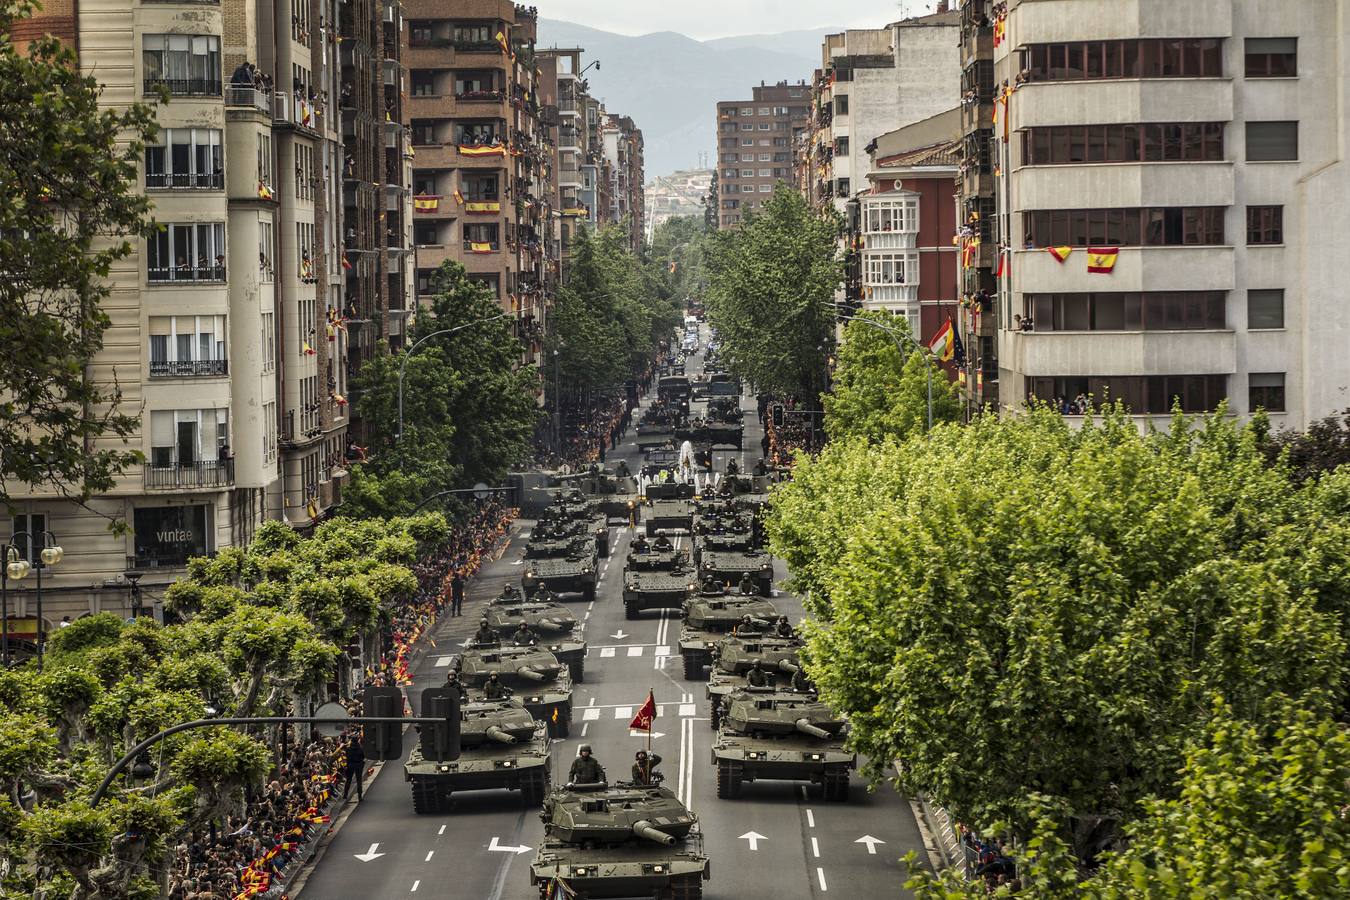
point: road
(775, 841)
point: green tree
(880, 384)
(1016, 607)
(72, 209)
(468, 404)
(680, 249)
(1323, 447)
(771, 295)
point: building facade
(624, 155)
(1189, 144)
(235, 326)
(483, 162)
(755, 140)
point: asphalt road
(775, 841)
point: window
(841, 104)
(474, 37)
(31, 525)
(186, 252)
(728, 142)
(185, 158)
(747, 126)
(1148, 58)
(1265, 390)
(764, 110)
(186, 64)
(304, 251)
(1265, 225)
(264, 163)
(170, 535)
(1149, 142)
(424, 131)
(747, 110)
(780, 157)
(1268, 141)
(268, 341)
(729, 157)
(479, 188)
(1147, 227)
(841, 146)
(881, 216)
(747, 157)
(187, 437)
(1271, 57)
(843, 190)
(729, 173)
(780, 173)
(269, 411)
(765, 173)
(765, 157)
(1141, 394)
(901, 267)
(1127, 311)
(478, 134)
(187, 345)
(423, 82)
(765, 126)
(765, 188)
(481, 233)
(731, 204)
(747, 173)
(1265, 309)
(747, 142)
(265, 271)
(747, 188)
(780, 142)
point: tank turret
(614, 814)
(805, 727)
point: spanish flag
(306, 348)
(311, 510)
(346, 263)
(943, 344)
(485, 206)
(426, 203)
(459, 198)
(505, 45)
(1004, 255)
(1059, 253)
(482, 150)
(1102, 259)
(480, 247)
(264, 192)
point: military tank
(670, 516)
(730, 566)
(653, 559)
(708, 617)
(782, 735)
(574, 573)
(552, 622)
(501, 746)
(619, 841)
(736, 654)
(617, 495)
(534, 676)
(645, 589)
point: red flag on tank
(645, 715)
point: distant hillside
(670, 84)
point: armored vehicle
(670, 516)
(669, 490)
(653, 559)
(781, 735)
(656, 428)
(617, 495)
(552, 622)
(706, 432)
(574, 573)
(734, 657)
(532, 674)
(500, 746)
(655, 589)
(730, 566)
(708, 617)
(673, 390)
(621, 841)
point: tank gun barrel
(496, 734)
(788, 667)
(805, 727)
(531, 674)
(553, 625)
(644, 829)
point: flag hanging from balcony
(943, 344)
(312, 508)
(427, 203)
(1059, 253)
(307, 349)
(346, 263)
(480, 207)
(1003, 264)
(480, 247)
(506, 46)
(482, 150)
(459, 198)
(1102, 260)
(264, 192)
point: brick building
(755, 140)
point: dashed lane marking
(606, 652)
(820, 877)
(590, 714)
(623, 712)
(634, 651)
(442, 831)
(431, 853)
(815, 848)
(416, 885)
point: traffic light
(383, 740)
(778, 416)
(440, 740)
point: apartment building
(624, 155)
(755, 140)
(872, 81)
(1176, 153)
(483, 164)
(232, 326)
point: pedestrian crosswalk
(594, 713)
(632, 650)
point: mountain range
(670, 83)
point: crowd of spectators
(248, 855)
(987, 861)
(780, 442)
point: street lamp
(898, 336)
(134, 578)
(17, 568)
(403, 364)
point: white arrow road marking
(754, 837)
(871, 843)
(633, 732)
(619, 635)
(507, 848)
(369, 854)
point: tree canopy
(880, 385)
(469, 405)
(72, 209)
(1016, 608)
(770, 296)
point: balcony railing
(480, 96)
(213, 473)
(185, 273)
(248, 95)
(477, 46)
(184, 87)
(159, 561)
(163, 368)
(200, 181)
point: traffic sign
(331, 710)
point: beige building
(278, 188)
(1198, 139)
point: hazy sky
(705, 19)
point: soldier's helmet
(584, 748)
(640, 755)
(492, 677)
(758, 665)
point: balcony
(1065, 353)
(211, 474)
(480, 96)
(197, 181)
(185, 273)
(163, 368)
(184, 87)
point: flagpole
(650, 724)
